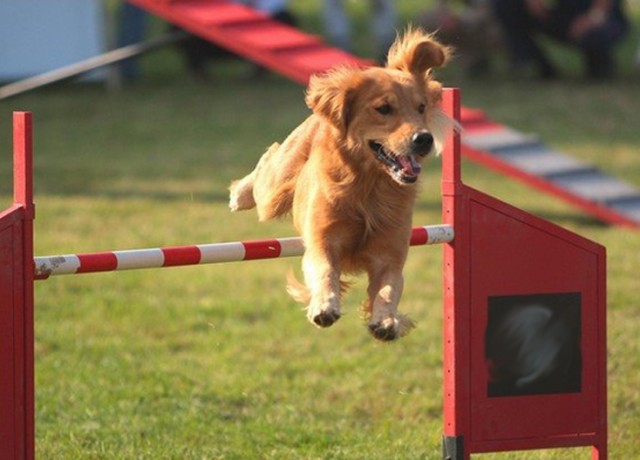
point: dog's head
(387, 118)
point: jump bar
(201, 254)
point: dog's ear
(416, 52)
(330, 95)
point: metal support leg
(453, 448)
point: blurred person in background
(383, 25)
(468, 26)
(132, 22)
(592, 26)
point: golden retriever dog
(348, 176)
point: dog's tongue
(409, 165)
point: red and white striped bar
(201, 254)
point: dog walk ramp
(526, 158)
(253, 35)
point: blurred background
(218, 362)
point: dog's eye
(421, 108)
(384, 109)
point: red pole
(17, 410)
(456, 292)
(23, 194)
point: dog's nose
(421, 142)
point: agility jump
(200, 254)
(504, 271)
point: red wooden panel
(16, 304)
(9, 437)
(510, 257)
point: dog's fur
(335, 174)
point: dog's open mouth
(404, 169)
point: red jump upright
(524, 326)
(16, 304)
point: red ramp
(252, 34)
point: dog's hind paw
(390, 329)
(233, 204)
(241, 196)
(240, 203)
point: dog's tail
(279, 203)
(301, 293)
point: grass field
(217, 362)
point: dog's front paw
(323, 317)
(326, 318)
(391, 328)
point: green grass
(217, 362)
